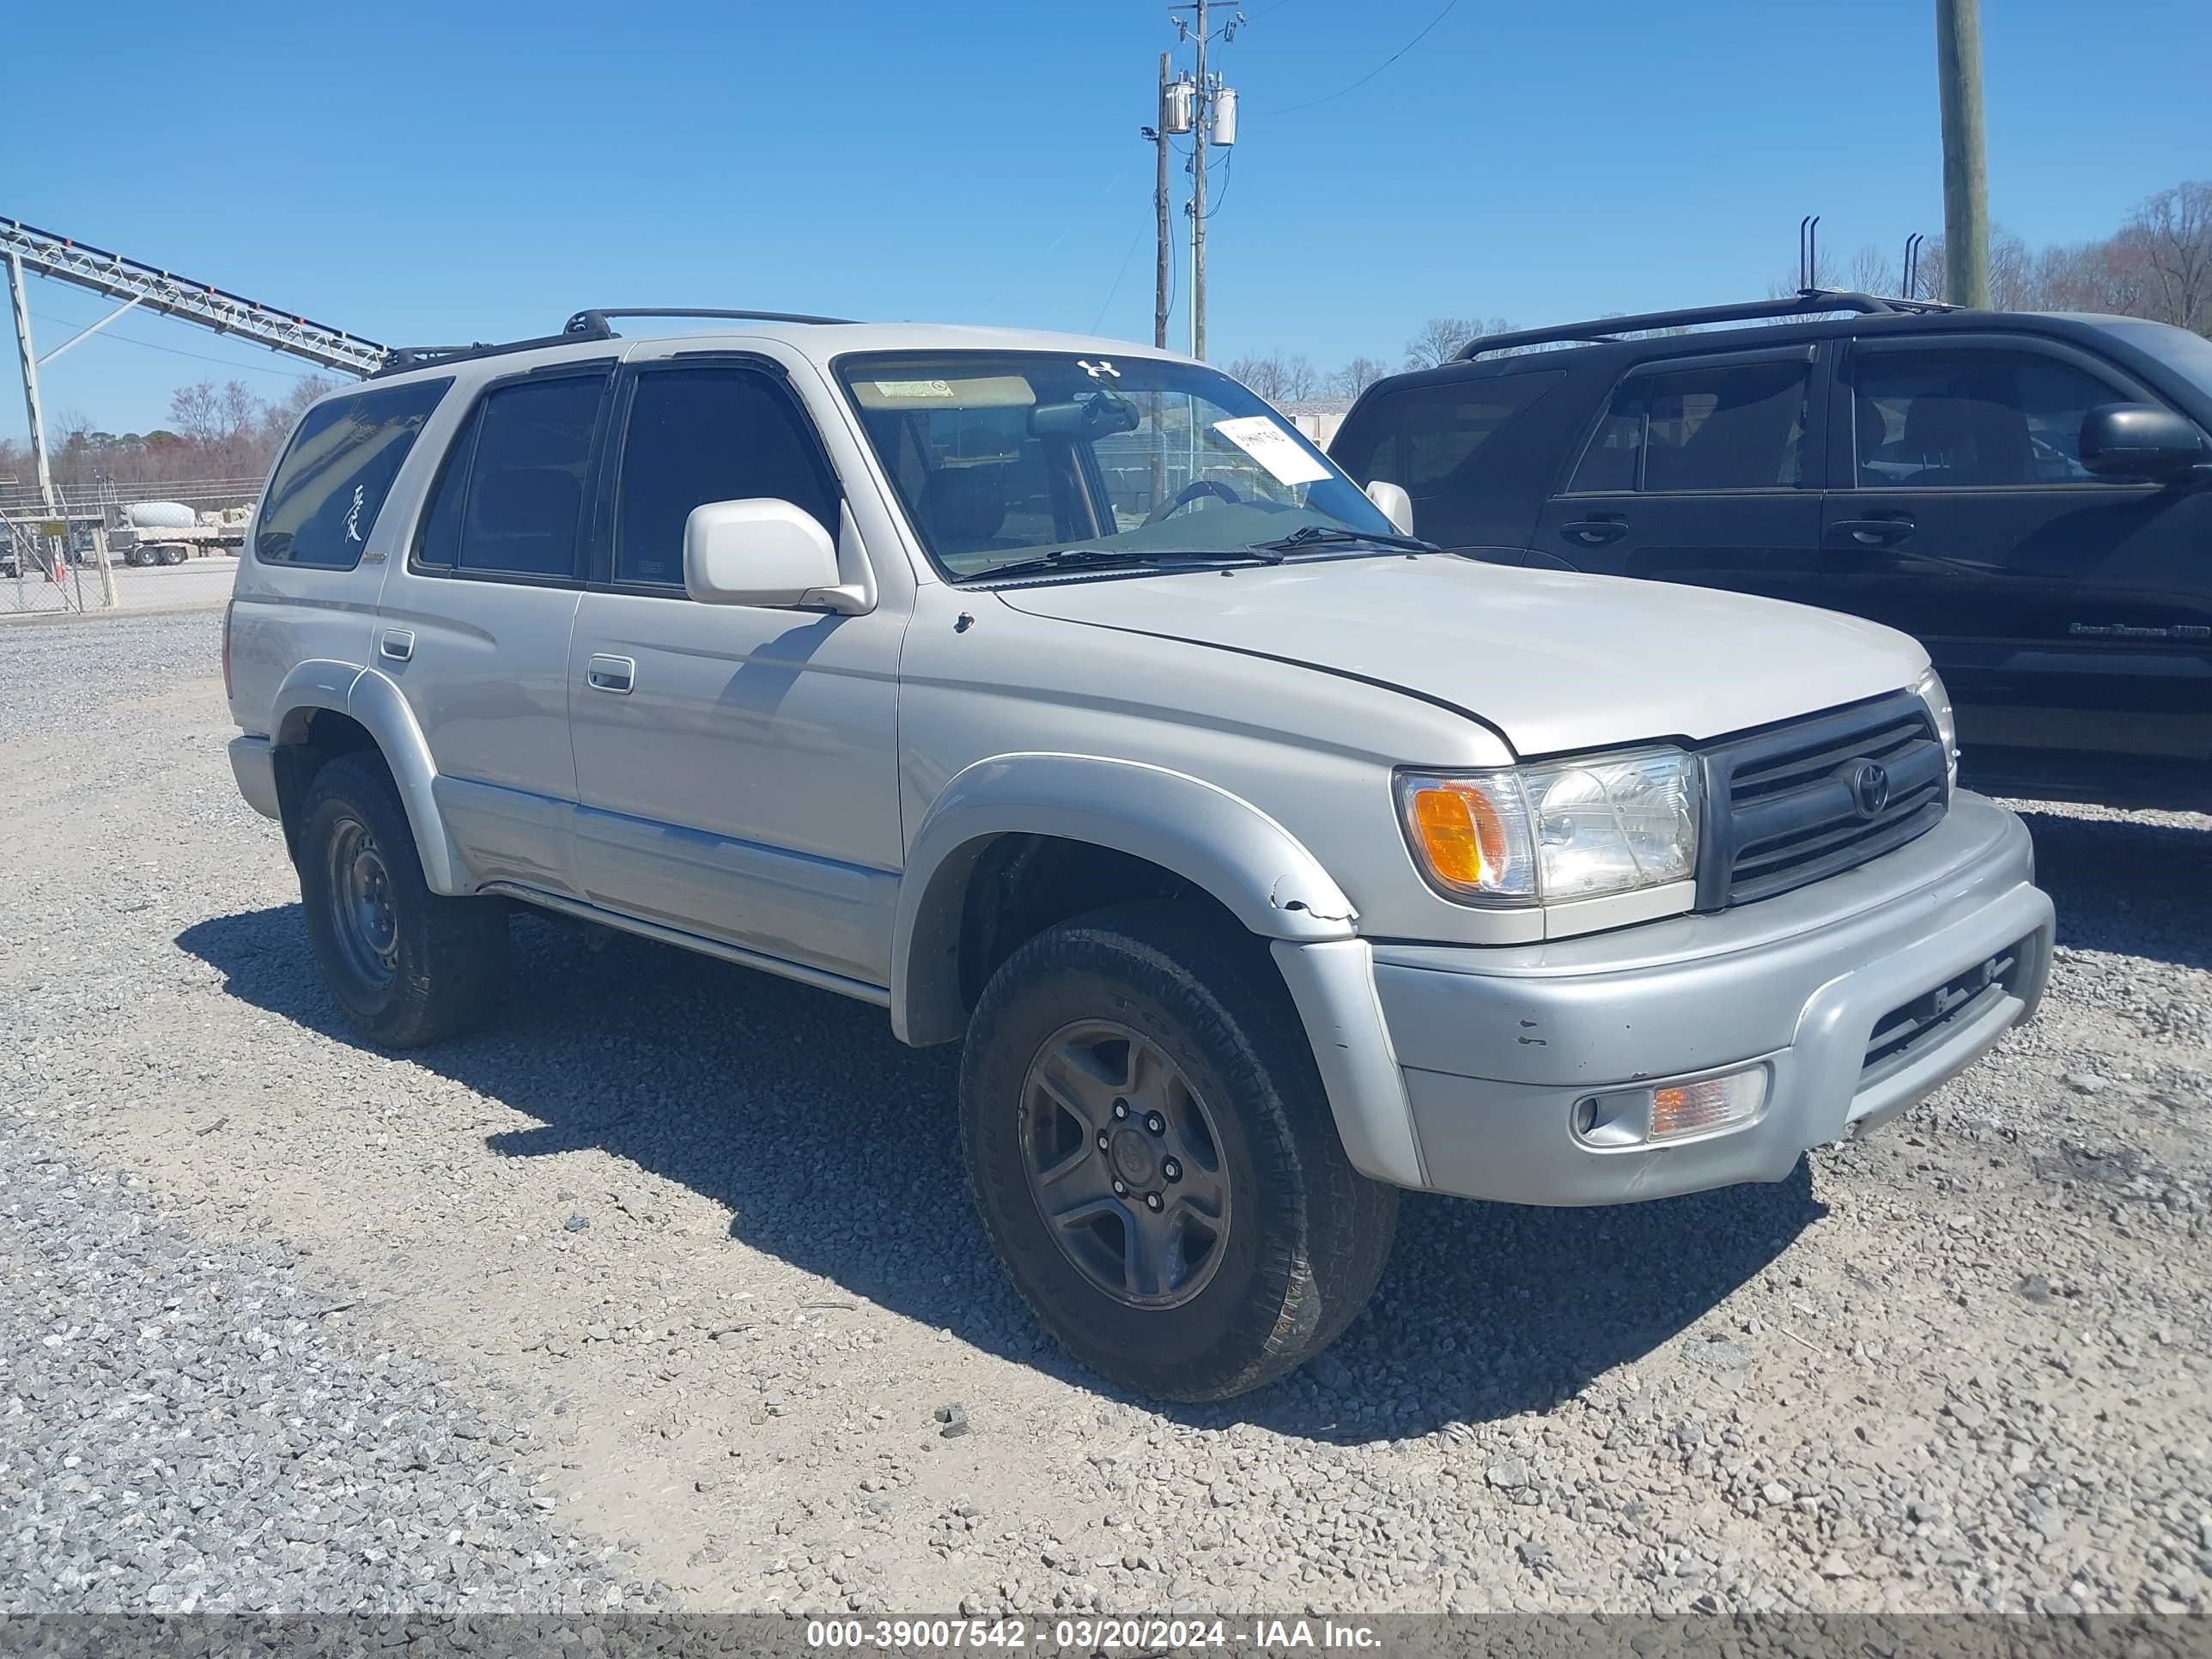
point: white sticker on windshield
(914, 388)
(1265, 440)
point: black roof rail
(1602, 329)
(583, 322)
(584, 325)
(402, 358)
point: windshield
(1004, 458)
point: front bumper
(1487, 1053)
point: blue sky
(433, 171)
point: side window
(335, 472)
(1739, 426)
(1420, 437)
(512, 492)
(709, 434)
(1972, 418)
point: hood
(1554, 661)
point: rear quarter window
(1423, 437)
(333, 478)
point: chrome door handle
(614, 674)
(397, 643)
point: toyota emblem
(1870, 787)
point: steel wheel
(1125, 1164)
(363, 921)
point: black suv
(2030, 494)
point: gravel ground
(684, 1252)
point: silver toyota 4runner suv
(1056, 695)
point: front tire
(1154, 1159)
(405, 965)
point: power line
(1120, 271)
(1450, 7)
(178, 351)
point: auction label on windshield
(1262, 438)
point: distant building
(1317, 417)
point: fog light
(1634, 1117)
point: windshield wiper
(1329, 535)
(1106, 558)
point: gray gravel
(186, 1427)
(702, 1234)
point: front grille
(1788, 808)
(1909, 1029)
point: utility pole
(1198, 202)
(1162, 261)
(1212, 112)
(1965, 169)
(24, 348)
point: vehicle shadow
(2130, 885)
(836, 1149)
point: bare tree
(1277, 378)
(1356, 376)
(1262, 374)
(1300, 379)
(1871, 273)
(196, 411)
(1440, 340)
(2174, 231)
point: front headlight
(1929, 688)
(1558, 831)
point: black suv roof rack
(1601, 330)
(584, 325)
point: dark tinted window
(335, 473)
(1421, 436)
(1962, 417)
(709, 434)
(513, 489)
(1726, 427)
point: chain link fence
(37, 573)
(93, 556)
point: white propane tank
(159, 515)
(1225, 116)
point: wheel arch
(1212, 842)
(324, 709)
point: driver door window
(695, 435)
(1972, 418)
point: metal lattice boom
(46, 255)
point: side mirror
(2140, 440)
(1397, 506)
(762, 552)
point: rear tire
(1143, 1053)
(405, 965)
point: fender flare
(1217, 841)
(380, 708)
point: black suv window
(1961, 417)
(513, 489)
(335, 473)
(1739, 426)
(1421, 436)
(706, 435)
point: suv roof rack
(1602, 329)
(588, 322)
(584, 325)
